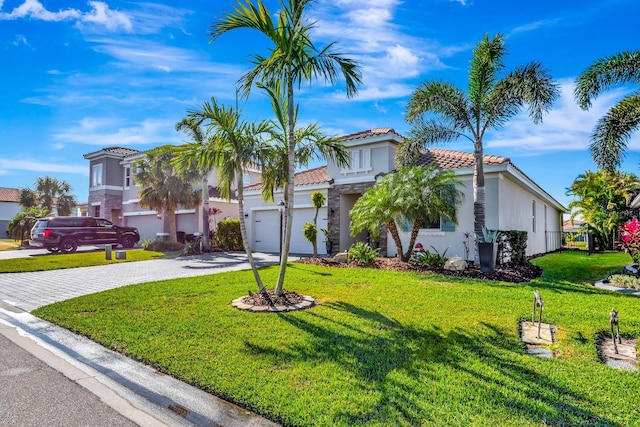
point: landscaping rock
(625, 359)
(455, 263)
(341, 257)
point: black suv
(66, 233)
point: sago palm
(440, 112)
(612, 132)
(292, 60)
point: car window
(104, 223)
(41, 223)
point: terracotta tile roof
(448, 159)
(215, 193)
(370, 132)
(312, 176)
(121, 150)
(317, 175)
(9, 195)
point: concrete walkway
(85, 378)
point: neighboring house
(9, 207)
(113, 195)
(513, 201)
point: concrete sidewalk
(60, 379)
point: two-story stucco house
(513, 201)
(113, 194)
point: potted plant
(488, 249)
(327, 240)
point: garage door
(147, 225)
(267, 232)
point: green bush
(626, 281)
(161, 246)
(428, 259)
(228, 235)
(363, 254)
(310, 232)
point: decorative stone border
(307, 302)
(532, 344)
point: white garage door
(267, 232)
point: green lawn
(78, 259)
(381, 348)
(8, 244)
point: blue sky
(78, 76)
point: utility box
(121, 254)
(107, 252)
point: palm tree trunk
(393, 229)
(412, 240)
(478, 195)
(244, 235)
(205, 213)
(288, 204)
(171, 217)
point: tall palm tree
(163, 188)
(292, 60)
(188, 156)
(612, 132)
(410, 195)
(492, 98)
(311, 144)
(50, 194)
(232, 147)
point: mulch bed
(269, 298)
(504, 273)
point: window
(533, 216)
(96, 211)
(430, 224)
(246, 179)
(127, 177)
(360, 161)
(96, 175)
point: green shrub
(310, 231)
(228, 235)
(161, 246)
(428, 259)
(626, 281)
(363, 254)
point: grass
(382, 348)
(78, 259)
(8, 244)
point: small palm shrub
(362, 254)
(161, 246)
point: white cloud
(113, 132)
(100, 15)
(103, 16)
(19, 39)
(565, 128)
(462, 2)
(40, 167)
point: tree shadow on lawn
(431, 376)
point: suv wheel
(68, 246)
(127, 242)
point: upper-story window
(246, 179)
(96, 175)
(127, 177)
(360, 161)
